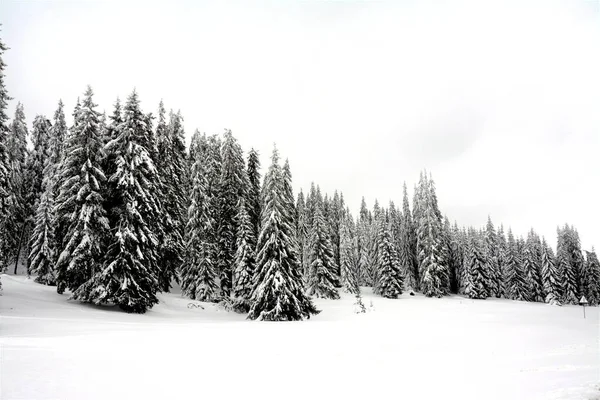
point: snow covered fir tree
(115, 210)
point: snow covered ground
(411, 348)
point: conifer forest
(113, 209)
(299, 200)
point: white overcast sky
(500, 101)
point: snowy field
(411, 348)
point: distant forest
(115, 209)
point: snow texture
(500, 349)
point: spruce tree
(550, 275)
(568, 268)
(478, 268)
(172, 169)
(198, 272)
(591, 278)
(129, 274)
(233, 186)
(253, 199)
(492, 254)
(532, 267)
(14, 226)
(277, 293)
(406, 249)
(502, 269)
(302, 232)
(349, 255)
(243, 267)
(322, 264)
(433, 270)
(4, 160)
(390, 277)
(79, 200)
(516, 284)
(44, 247)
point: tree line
(115, 209)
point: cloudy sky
(500, 101)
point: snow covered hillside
(411, 348)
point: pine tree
(433, 270)
(4, 160)
(243, 270)
(277, 293)
(406, 249)
(233, 186)
(390, 277)
(515, 280)
(322, 264)
(492, 254)
(532, 267)
(301, 231)
(591, 278)
(36, 161)
(44, 247)
(172, 169)
(15, 224)
(349, 255)
(567, 267)
(550, 275)
(253, 200)
(129, 274)
(478, 268)
(79, 201)
(502, 268)
(198, 275)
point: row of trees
(115, 209)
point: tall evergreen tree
(129, 274)
(516, 284)
(79, 201)
(407, 243)
(172, 169)
(322, 263)
(233, 186)
(478, 268)
(532, 267)
(349, 255)
(567, 266)
(253, 200)
(390, 277)
(277, 293)
(433, 270)
(550, 275)
(243, 269)
(198, 272)
(44, 247)
(14, 226)
(591, 278)
(492, 254)
(4, 161)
